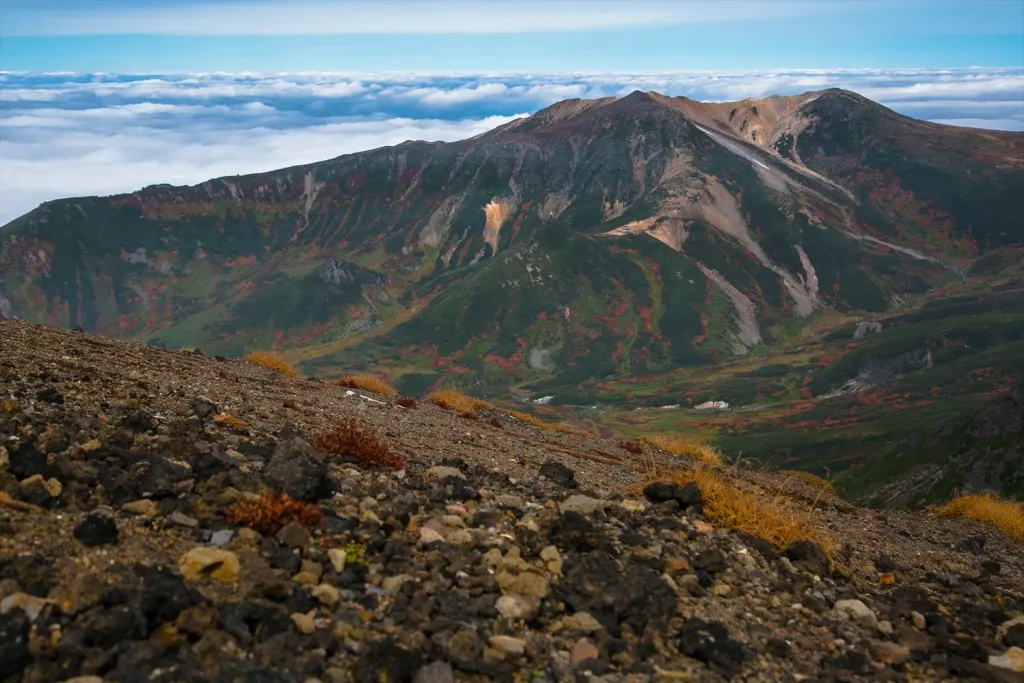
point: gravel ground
(500, 552)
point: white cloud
(69, 135)
(78, 162)
(325, 17)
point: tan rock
(143, 508)
(327, 594)
(392, 584)
(91, 445)
(508, 645)
(581, 621)
(582, 651)
(337, 558)
(29, 604)
(513, 606)
(304, 622)
(213, 564)
(526, 583)
(1012, 659)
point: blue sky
(106, 96)
(505, 35)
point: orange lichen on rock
(270, 512)
(229, 420)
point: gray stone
(222, 538)
(183, 520)
(438, 672)
(584, 505)
(293, 535)
(440, 472)
(515, 606)
(858, 610)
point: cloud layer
(71, 135)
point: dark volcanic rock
(809, 556)
(688, 497)
(594, 583)
(96, 529)
(297, 470)
(709, 642)
(559, 474)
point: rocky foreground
(142, 538)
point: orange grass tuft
(686, 446)
(367, 383)
(350, 438)
(272, 362)
(270, 512)
(456, 400)
(751, 510)
(813, 480)
(1004, 515)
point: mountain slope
(595, 238)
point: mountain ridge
(724, 185)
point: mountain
(595, 239)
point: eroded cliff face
(676, 232)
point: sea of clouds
(65, 135)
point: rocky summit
(172, 516)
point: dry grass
(272, 362)
(367, 383)
(270, 512)
(563, 427)
(352, 439)
(813, 480)
(528, 419)
(1004, 515)
(567, 428)
(457, 401)
(750, 510)
(686, 446)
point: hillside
(134, 545)
(843, 276)
(599, 237)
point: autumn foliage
(367, 383)
(270, 512)
(352, 439)
(272, 362)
